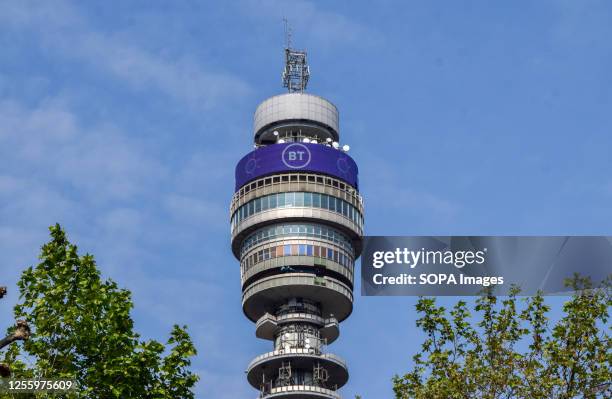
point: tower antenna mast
(297, 71)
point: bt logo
(296, 156)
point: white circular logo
(296, 156)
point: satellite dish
(275, 133)
(335, 144)
(346, 147)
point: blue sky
(123, 121)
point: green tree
(81, 328)
(503, 352)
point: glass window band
(297, 199)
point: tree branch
(21, 333)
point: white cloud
(119, 202)
(74, 173)
(51, 119)
(181, 79)
(396, 191)
(9, 185)
(62, 30)
(122, 222)
(110, 187)
(37, 14)
(195, 211)
(46, 141)
(581, 24)
(55, 168)
(310, 20)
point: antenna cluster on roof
(297, 71)
(312, 140)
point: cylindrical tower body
(297, 226)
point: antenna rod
(287, 34)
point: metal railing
(322, 392)
(296, 351)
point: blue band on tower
(288, 157)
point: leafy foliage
(503, 352)
(82, 329)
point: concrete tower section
(296, 228)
